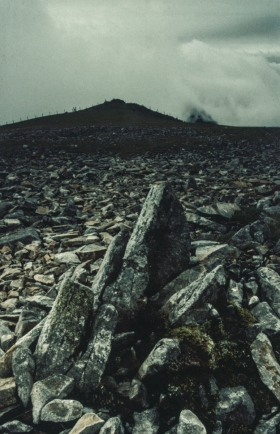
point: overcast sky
(220, 56)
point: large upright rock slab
(156, 253)
(190, 305)
(65, 330)
(88, 370)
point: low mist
(179, 59)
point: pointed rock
(89, 423)
(189, 423)
(23, 369)
(270, 287)
(112, 426)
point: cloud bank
(220, 58)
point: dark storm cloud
(172, 56)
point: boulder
(15, 426)
(269, 322)
(189, 423)
(25, 236)
(270, 287)
(266, 363)
(269, 426)
(191, 304)
(65, 329)
(61, 410)
(156, 253)
(146, 422)
(235, 406)
(112, 426)
(7, 392)
(165, 351)
(251, 235)
(89, 423)
(55, 386)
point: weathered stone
(5, 207)
(29, 318)
(138, 394)
(189, 423)
(69, 258)
(157, 251)
(7, 392)
(61, 410)
(110, 266)
(15, 427)
(235, 406)
(89, 423)
(88, 370)
(165, 351)
(91, 252)
(268, 426)
(235, 292)
(25, 341)
(270, 323)
(55, 386)
(221, 251)
(191, 304)
(270, 287)
(265, 360)
(250, 235)
(24, 236)
(146, 422)
(112, 426)
(65, 329)
(23, 369)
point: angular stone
(112, 426)
(251, 235)
(190, 424)
(55, 386)
(91, 252)
(110, 266)
(15, 427)
(235, 406)
(89, 423)
(5, 207)
(146, 422)
(157, 251)
(204, 223)
(23, 366)
(25, 341)
(270, 287)
(24, 236)
(69, 258)
(222, 251)
(191, 304)
(29, 318)
(7, 392)
(267, 365)
(270, 323)
(65, 329)
(88, 370)
(165, 351)
(45, 279)
(138, 394)
(235, 292)
(268, 426)
(62, 410)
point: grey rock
(165, 351)
(138, 394)
(111, 265)
(157, 251)
(55, 386)
(25, 236)
(251, 287)
(218, 429)
(69, 258)
(88, 370)
(270, 287)
(270, 323)
(146, 422)
(204, 223)
(65, 329)
(89, 423)
(15, 427)
(266, 363)
(235, 406)
(62, 410)
(268, 426)
(190, 424)
(191, 304)
(235, 292)
(253, 302)
(4, 208)
(7, 392)
(7, 341)
(112, 426)
(23, 366)
(251, 235)
(29, 318)
(221, 251)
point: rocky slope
(140, 295)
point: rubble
(139, 294)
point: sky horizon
(218, 57)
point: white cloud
(170, 56)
